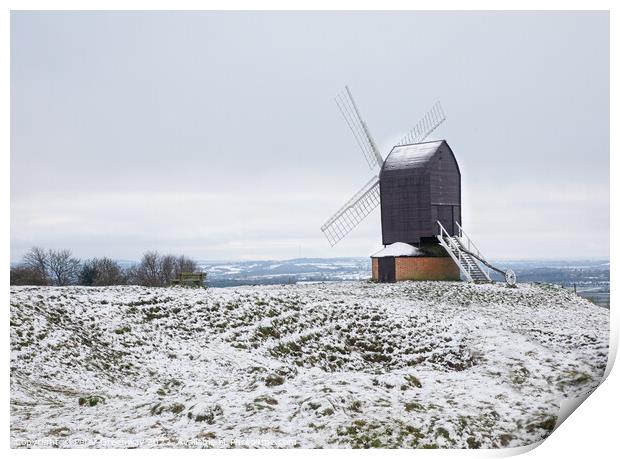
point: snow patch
(337, 365)
(398, 249)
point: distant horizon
(206, 260)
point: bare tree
(167, 265)
(184, 265)
(109, 272)
(131, 275)
(25, 275)
(36, 261)
(156, 270)
(147, 272)
(101, 271)
(40, 267)
(88, 272)
(62, 266)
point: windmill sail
(353, 212)
(358, 128)
(431, 121)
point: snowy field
(352, 364)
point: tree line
(59, 267)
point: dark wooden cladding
(420, 184)
(387, 269)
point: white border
(591, 432)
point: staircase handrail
(458, 250)
(470, 243)
(488, 265)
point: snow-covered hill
(351, 364)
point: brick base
(421, 268)
(375, 269)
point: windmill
(367, 199)
(419, 190)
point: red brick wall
(375, 269)
(425, 268)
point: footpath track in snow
(351, 364)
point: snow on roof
(398, 249)
(411, 156)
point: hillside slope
(351, 364)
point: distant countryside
(589, 278)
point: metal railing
(453, 248)
(470, 245)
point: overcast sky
(215, 134)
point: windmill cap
(415, 155)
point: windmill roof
(412, 156)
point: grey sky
(215, 134)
